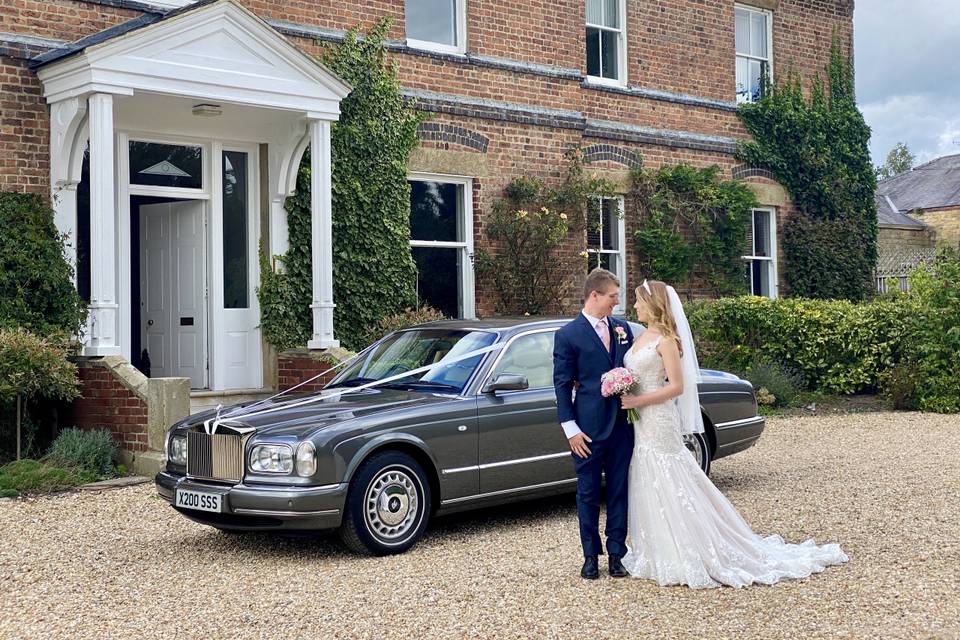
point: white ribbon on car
(234, 418)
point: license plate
(199, 500)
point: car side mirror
(506, 382)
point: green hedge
(835, 346)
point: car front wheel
(699, 448)
(388, 505)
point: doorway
(169, 287)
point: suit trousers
(610, 456)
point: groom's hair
(599, 280)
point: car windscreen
(408, 350)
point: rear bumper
(261, 507)
(737, 435)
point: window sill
(605, 82)
(436, 47)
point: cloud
(928, 123)
(908, 81)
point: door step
(201, 399)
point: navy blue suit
(580, 357)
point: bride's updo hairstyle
(658, 306)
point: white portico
(196, 124)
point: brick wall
(297, 365)
(528, 53)
(107, 404)
(945, 223)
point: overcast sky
(907, 56)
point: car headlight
(177, 450)
(271, 458)
(306, 459)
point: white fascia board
(134, 61)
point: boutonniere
(621, 334)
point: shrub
(31, 476)
(527, 270)
(934, 342)
(36, 289)
(777, 385)
(397, 321)
(834, 346)
(900, 386)
(89, 451)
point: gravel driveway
(122, 564)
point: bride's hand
(630, 401)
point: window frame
(768, 60)
(771, 259)
(489, 374)
(465, 231)
(621, 252)
(621, 79)
(460, 48)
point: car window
(408, 350)
(530, 356)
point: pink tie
(604, 334)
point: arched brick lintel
(443, 132)
(742, 171)
(627, 158)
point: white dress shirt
(570, 427)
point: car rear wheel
(388, 505)
(699, 448)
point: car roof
(509, 324)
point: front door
(173, 290)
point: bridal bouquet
(617, 382)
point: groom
(600, 437)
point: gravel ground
(122, 564)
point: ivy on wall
(374, 274)
(691, 225)
(817, 149)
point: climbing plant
(816, 147)
(374, 273)
(691, 225)
(528, 227)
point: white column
(104, 336)
(321, 216)
(67, 142)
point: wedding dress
(682, 530)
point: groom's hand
(578, 444)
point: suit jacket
(579, 356)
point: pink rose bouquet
(617, 382)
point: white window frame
(593, 255)
(768, 60)
(621, 79)
(771, 260)
(460, 48)
(465, 245)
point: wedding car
(438, 418)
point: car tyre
(388, 505)
(699, 447)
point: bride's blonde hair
(658, 306)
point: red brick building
(171, 128)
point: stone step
(203, 400)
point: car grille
(217, 456)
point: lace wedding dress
(682, 530)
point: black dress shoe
(590, 570)
(617, 570)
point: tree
(898, 161)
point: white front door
(173, 290)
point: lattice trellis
(897, 263)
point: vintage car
(378, 462)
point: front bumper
(261, 507)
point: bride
(682, 530)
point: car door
(521, 443)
